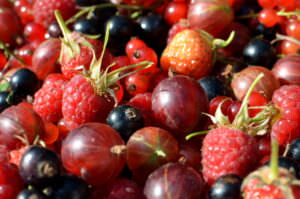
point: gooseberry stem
(220, 43)
(274, 160)
(188, 137)
(289, 14)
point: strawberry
(271, 182)
(44, 10)
(48, 99)
(191, 52)
(230, 148)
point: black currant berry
(24, 82)
(289, 164)
(267, 33)
(86, 26)
(31, 194)
(70, 187)
(4, 103)
(126, 120)
(259, 52)
(212, 86)
(121, 29)
(227, 186)
(294, 150)
(39, 166)
(154, 28)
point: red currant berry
(214, 103)
(268, 17)
(175, 11)
(133, 44)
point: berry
(227, 186)
(44, 10)
(289, 164)
(28, 194)
(126, 120)
(268, 17)
(294, 150)
(86, 26)
(212, 86)
(24, 82)
(259, 52)
(48, 99)
(189, 53)
(238, 154)
(4, 100)
(39, 166)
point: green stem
(274, 160)
(89, 9)
(248, 16)
(9, 52)
(188, 137)
(65, 30)
(220, 43)
(289, 14)
(243, 114)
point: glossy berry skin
(294, 150)
(70, 187)
(121, 29)
(86, 26)
(44, 10)
(27, 194)
(88, 152)
(9, 33)
(211, 16)
(268, 17)
(227, 186)
(39, 166)
(212, 86)
(175, 11)
(238, 154)
(259, 52)
(125, 189)
(154, 28)
(287, 69)
(175, 181)
(268, 33)
(169, 101)
(24, 82)
(54, 30)
(126, 120)
(45, 58)
(137, 83)
(19, 120)
(148, 149)
(80, 103)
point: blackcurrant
(4, 100)
(154, 28)
(70, 187)
(39, 166)
(212, 86)
(121, 29)
(31, 194)
(259, 52)
(289, 164)
(227, 186)
(86, 26)
(24, 82)
(267, 33)
(294, 150)
(126, 120)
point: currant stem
(243, 114)
(9, 52)
(280, 37)
(65, 30)
(89, 9)
(289, 14)
(274, 160)
(188, 137)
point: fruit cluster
(150, 99)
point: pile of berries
(149, 99)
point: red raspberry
(287, 128)
(228, 151)
(81, 104)
(48, 100)
(44, 10)
(69, 65)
